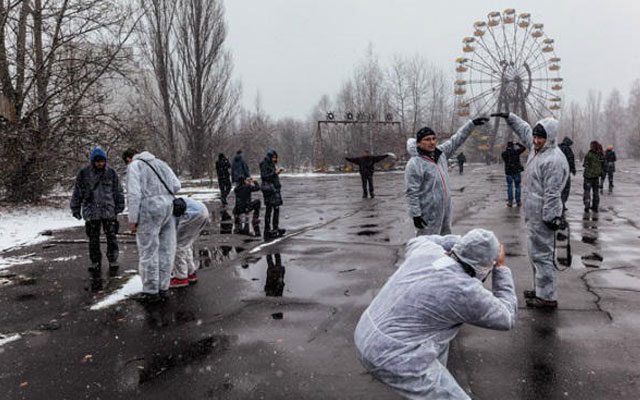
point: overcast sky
(294, 51)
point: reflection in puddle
(269, 275)
(593, 257)
(368, 233)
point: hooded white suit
(545, 175)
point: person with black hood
(512, 169)
(98, 198)
(239, 168)
(609, 166)
(270, 176)
(565, 146)
(366, 165)
(593, 171)
(224, 179)
(461, 160)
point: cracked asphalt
(276, 321)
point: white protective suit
(188, 227)
(151, 207)
(427, 185)
(545, 175)
(403, 337)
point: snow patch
(133, 286)
(4, 339)
(23, 226)
(61, 259)
(6, 262)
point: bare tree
(56, 58)
(206, 97)
(634, 118)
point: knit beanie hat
(426, 131)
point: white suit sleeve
(134, 192)
(553, 180)
(450, 146)
(522, 129)
(494, 309)
(413, 183)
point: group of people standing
(165, 232)
(238, 172)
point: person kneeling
(403, 337)
(244, 205)
(188, 228)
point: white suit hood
(550, 125)
(479, 248)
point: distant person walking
(461, 160)
(239, 168)
(366, 165)
(98, 198)
(565, 146)
(151, 185)
(512, 170)
(188, 228)
(224, 177)
(426, 178)
(270, 176)
(593, 171)
(609, 166)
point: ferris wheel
(509, 65)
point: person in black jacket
(512, 169)
(98, 198)
(224, 178)
(461, 160)
(239, 168)
(365, 164)
(609, 166)
(244, 205)
(270, 176)
(565, 146)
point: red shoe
(178, 283)
(192, 278)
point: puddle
(368, 233)
(369, 226)
(187, 353)
(277, 315)
(589, 239)
(618, 279)
(272, 276)
(25, 297)
(593, 257)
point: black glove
(480, 121)
(500, 115)
(556, 223)
(77, 215)
(418, 222)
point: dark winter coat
(610, 160)
(239, 168)
(222, 169)
(565, 146)
(97, 194)
(270, 183)
(511, 158)
(462, 158)
(593, 165)
(243, 197)
(366, 163)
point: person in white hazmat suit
(151, 218)
(402, 338)
(426, 178)
(188, 227)
(545, 175)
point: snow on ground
(200, 193)
(4, 339)
(24, 226)
(133, 286)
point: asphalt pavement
(275, 320)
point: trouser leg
(541, 244)
(565, 191)
(595, 201)
(510, 188)
(267, 218)
(166, 252)
(92, 228)
(370, 181)
(364, 185)
(586, 195)
(610, 175)
(148, 245)
(255, 206)
(276, 217)
(111, 227)
(517, 180)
